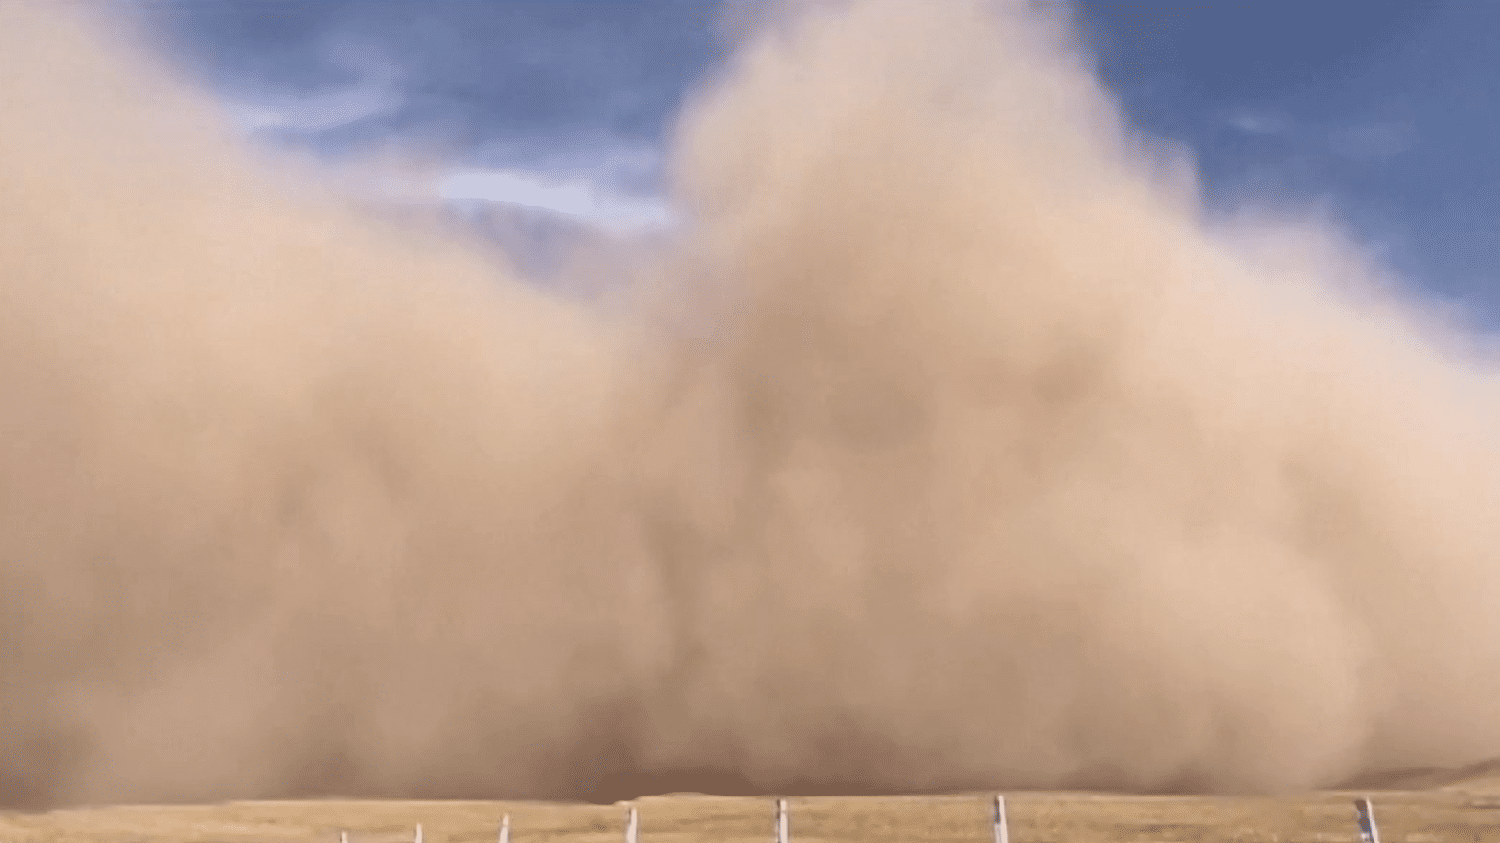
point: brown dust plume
(948, 444)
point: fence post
(632, 825)
(783, 825)
(1368, 831)
(417, 838)
(505, 829)
(1002, 826)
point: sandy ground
(1464, 811)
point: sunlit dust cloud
(946, 445)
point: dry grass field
(1456, 813)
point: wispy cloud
(376, 94)
(315, 114)
(1258, 122)
(576, 196)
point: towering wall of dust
(965, 456)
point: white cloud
(374, 95)
(574, 196)
(1258, 123)
(315, 114)
(1370, 140)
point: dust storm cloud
(949, 444)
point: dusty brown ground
(1464, 811)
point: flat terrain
(1466, 811)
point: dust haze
(948, 444)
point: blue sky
(1382, 110)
